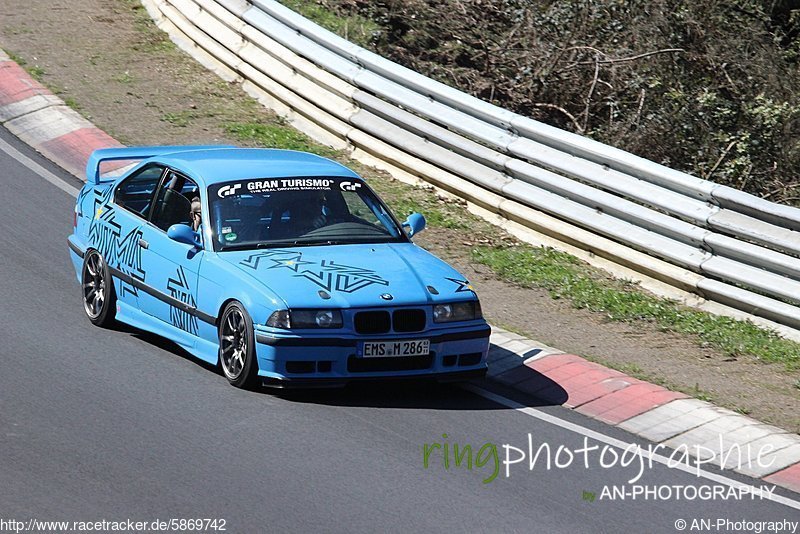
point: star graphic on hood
(292, 262)
(463, 285)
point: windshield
(260, 213)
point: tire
(237, 348)
(97, 290)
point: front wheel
(99, 300)
(237, 351)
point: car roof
(228, 164)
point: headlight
(279, 319)
(457, 311)
(316, 318)
(296, 319)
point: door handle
(144, 244)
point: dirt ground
(105, 59)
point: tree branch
(569, 115)
(610, 61)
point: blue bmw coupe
(284, 268)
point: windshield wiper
(290, 243)
(262, 244)
(299, 243)
(240, 246)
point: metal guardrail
(720, 243)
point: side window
(136, 193)
(177, 202)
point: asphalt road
(116, 424)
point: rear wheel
(97, 289)
(237, 351)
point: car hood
(371, 275)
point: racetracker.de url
(105, 525)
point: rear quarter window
(135, 193)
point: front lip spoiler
(75, 248)
(338, 342)
(308, 383)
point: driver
(194, 214)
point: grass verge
(354, 28)
(565, 276)
(36, 72)
(277, 135)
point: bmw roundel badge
(387, 296)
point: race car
(282, 267)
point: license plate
(387, 349)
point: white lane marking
(597, 436)
(38, 169)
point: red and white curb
(43, 121)
(657, 414)
(547, 375)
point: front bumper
(301, 383)
(324, 361)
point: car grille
(408, 320)
(379, 365)
(372, 322)
(380, 322)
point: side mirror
(183, 233)
(414, 224)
